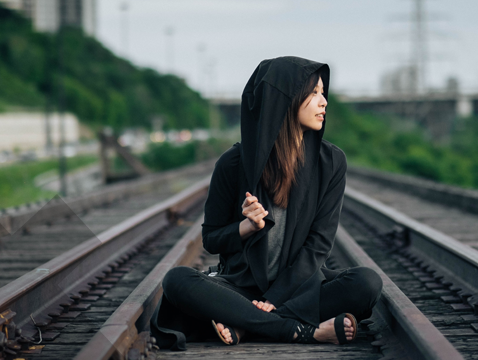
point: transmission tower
(419, 53)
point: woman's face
(312, 110)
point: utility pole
(124, 7)
(49, 65)
(201, 49)
(213, 113)
(211, 72)
(62, 166)
(169, 32)
(48, 139)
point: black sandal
(305, 333)
(235, 339)
(339, 327)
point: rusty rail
(421, 339)
(456, 261)
(58, 208)
(115, 338)
(41, 291)
(121, 330)
(129, 323)
(453, 196)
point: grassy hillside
(99, 87)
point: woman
(272, 213)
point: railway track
(34, 235)
(74, 293)
(449, 209)
(95, 300)
(437, 273)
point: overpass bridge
(435, 112)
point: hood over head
(265, 100)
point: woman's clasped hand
(255, 213)
(264, 305)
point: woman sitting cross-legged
(271, 214)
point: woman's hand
(264, 306)
(255, 213)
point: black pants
(205, 298)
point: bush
(371, 141)
(165, 156)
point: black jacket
(312, 214)
(315, 202)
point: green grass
(16, 181)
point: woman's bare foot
(226, 334)
(326, 331)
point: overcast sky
(216, 44)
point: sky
(215, 45)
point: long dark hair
(288, 152)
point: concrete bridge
(435, 112)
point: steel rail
(448, 195)
(448, 255)
(59, 208)
(420, 338)
(40, 291)
(120, 331)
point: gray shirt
(275, 239)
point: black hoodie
(312, 214)
(315, 201)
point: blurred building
(49, 15)
(31, 131)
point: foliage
(17, 180)
(97, 86)
(18, 91)
(164, 156)
(373, 141)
